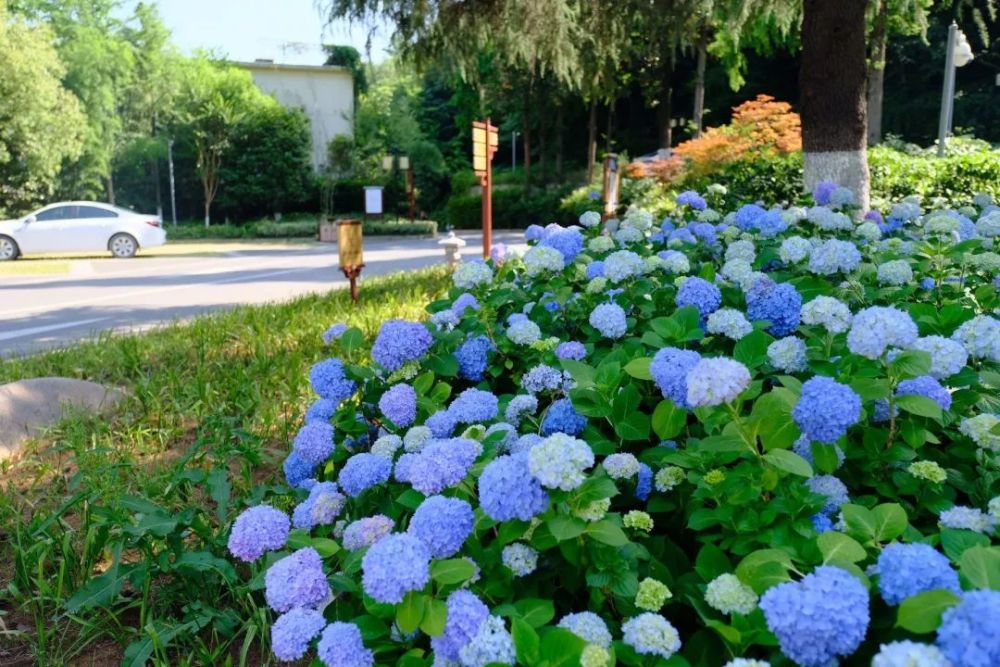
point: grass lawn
(143, 501)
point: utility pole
(173, 196)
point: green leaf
(789, 461)
(890, 521)
(711, 562)
(581, 373)
(99, 590)
(919, 405)
(423, 383)
(535, 612)
(772, 414)
(565, 527)
(435, 616)
(980, 568)
(910, 364)
(219, 490)
(561, 648)
(444, 365)
(921, 613)
(639, 368)
(955, 541)
(668, 419)
(825, 457)
(764, 568)
(871, 389)
(626, 402)
(526, 642)
(452, 570)
(751, 350)
(590, 403)
(633, 427)
(351, 340)
(860, 521)
(721, 444)
(156, 634)
(839, 547)
(607, 532)
(410, 611)
(206, 561)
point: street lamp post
(173, 196)
(958, 54)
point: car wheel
(8, 249)
(123, 246)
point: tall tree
(41, 124)
(832, 80)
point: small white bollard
(452, 247)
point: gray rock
(28, 407)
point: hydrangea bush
(766, 437)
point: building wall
(326, 94)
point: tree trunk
(154, 167)
(559, 142)
(876, 72)
(543, 132)
(610, 127)
(208, 219)
(111, 189)
(699, 83)
(591, 141)
(832, 81)
(526, 136)
(664, 110)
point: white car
(80, 226)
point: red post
(488, 200)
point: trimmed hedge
(299, 229)
(513, 208)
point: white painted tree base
(846, 168)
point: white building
(324, 93)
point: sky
(286, 31)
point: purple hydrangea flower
(466, 613)
(822, 192)
(507, 490)
(398, 342)
(292, 632)
(571, 350)
(473, 357)
(442, 524)
(474, 406)
(562, 417)
(394, 566)
(441, 464)
(820, 618)
(669, 368)
(463, 302)
(363, 471)
(322, 507)
(367, 531)
(542, 378)
(780, 304)
(927, 386)
(692, 199)
(258, 530)
(314, 442)
(701, 294)
(341, 645)
(826, 409)
(328, 380)
(399, 404)
(908, 569)
(297, 580)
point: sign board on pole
(485, 141)
(373, 200)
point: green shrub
(198, 231)
(403, 228)
(513, 208)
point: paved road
(99, 295)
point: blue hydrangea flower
(399, 404)
(981, 337)
(622, 265)
(747, 214)
(701, 294)
(716, 380)
(780, 304)
(542, 378)
(818, 619)
(292, 632)
(507, 489)
(609, 320)
(314, 442)
(569, 242)
(651, 634)
(442, 524)
(832, 256)
(394, 566)
(464, 302)
(927, 386)
(296, 580)
(589, 627)
(559, 461)
(474, 406)
(595, 270)
(519, 558)
(822, 191)
(519, 406)
(492, 644)
(562, 417)
(770, 224)
(466, 613)
(822, 523)
(906, 653)
(328, 380)
(669, 368)
(523, 332)
(534, 233)
(334, 332)
(365, 532)
(322, 507)
(363, 471)
(907, 569)
(398, 342)
(876, 328)
(968, 633)
(571, 350)
(321, 410)
(692, 199)
(967, 518)
(441, 464)
(826, 409)
(830, 488)
(297, 469)
(341, 645)
(258, 530)
(441, 423)
(803, 447)
(644, 482)
(947, 356)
